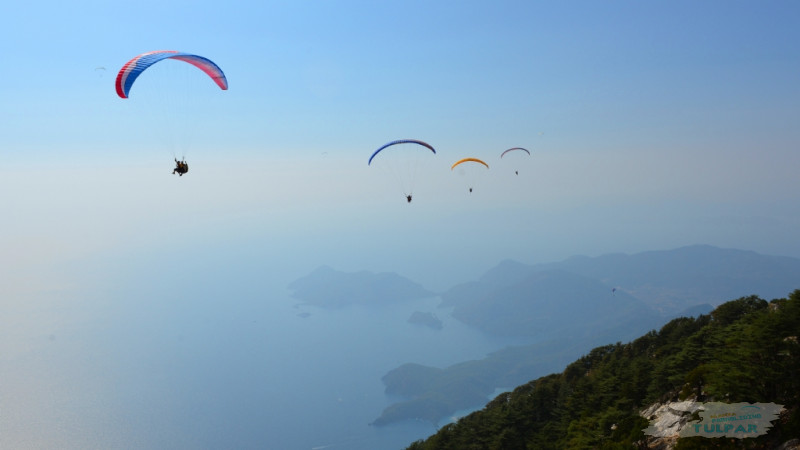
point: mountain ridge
(513, 298)
(606, 398)
(669, 281)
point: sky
(670, 112)
(651, 125)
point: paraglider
(401, 160)
(174, 102)
(470, 169)
(515, 150)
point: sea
(279, 374)
(163, 359)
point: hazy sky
(651, 125)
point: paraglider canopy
(462, 161)
(520, 149)
(399, 141)
(133, 68)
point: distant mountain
(673, 280)
(551, 303)
(609, 396)
(531, 300)
(331, 288)
(574, 305)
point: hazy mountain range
(568, 307)
(643, 394)
(585, 295)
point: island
(427, 319)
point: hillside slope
(745, 350)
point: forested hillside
(746, 350)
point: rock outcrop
(666, 422)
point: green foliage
(746, 350)
(737, 310)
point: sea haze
(231, 360)
(218, 346)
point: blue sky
(342, 76)
(652, 125)
(650, 120)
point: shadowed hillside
(746, 350)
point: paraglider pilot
(180, 167)
(408, 197)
